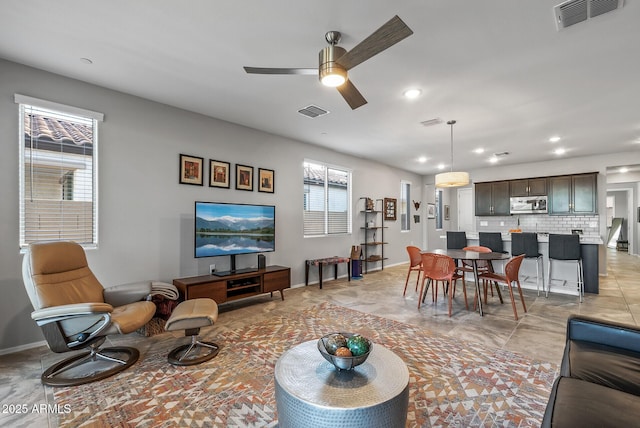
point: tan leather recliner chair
(75, 311)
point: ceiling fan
(335, 61)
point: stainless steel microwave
(529, 205)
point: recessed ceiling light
(554, 139)
(412, 93)
(422, 159)
(559, 151)
(86, 61)
(623, 170)
(441, 166)
(493, 159)
(479, 150)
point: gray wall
(146, 217)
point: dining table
(473, 257)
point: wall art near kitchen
(191, 170)
(431, 210)
(446, 212)
(219, 173)
(244, 177)
(265, 180)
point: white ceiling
(498, 67)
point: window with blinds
(327, 196)
(58, 173)
(405, 208)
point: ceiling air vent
(574, 11)
(312, 111)
(431, 122)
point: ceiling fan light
(334, 78)
(332, 74)
(452, 179)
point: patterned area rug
(452, 382)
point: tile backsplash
(589, 224)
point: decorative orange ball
(343, 352)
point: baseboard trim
(23, 347)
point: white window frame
(405, 206)
(24, 103)
(349, 221)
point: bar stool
(527, 244)
(492, 240)
(566, 248)
(456, 240)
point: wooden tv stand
(235, 286)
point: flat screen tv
(224, 229)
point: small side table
(310, 391)
(335, 261)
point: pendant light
(452, 178)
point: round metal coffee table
(310, 391)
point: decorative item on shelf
(390, 208)
(417, 205)
(431, 210)
(219, 173)
(191, 170)
(371, 224)
(266, 180)
(244, 177)
(452, 178)
(369, 204)
(344, 350)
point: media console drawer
(276, 281)
(235, 286)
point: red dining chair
(436, 267)
(511, 272)
(415, 265)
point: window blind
(58, 175)
(326, 200)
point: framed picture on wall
(265, 180)
(219, 173)
(390, 208)
(446, 212)
(191, 170)
(244, 177)
(431, 210)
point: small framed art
(390, 208)
(244, 177)
(446, 212)
(219, 173)
(431, 210)
(265, 180)
(191, 169)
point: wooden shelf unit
(235, 286)
(373, 244)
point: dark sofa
(599, 382)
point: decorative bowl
(342, 363)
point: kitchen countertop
(542, 238)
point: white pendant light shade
(452, 178)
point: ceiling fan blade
(351, 95)
(384, 37)
(264, 70)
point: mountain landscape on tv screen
(231, 224)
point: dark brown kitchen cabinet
(492, 198)
(573, 194)
(529, 187)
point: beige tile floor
(538, 334)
